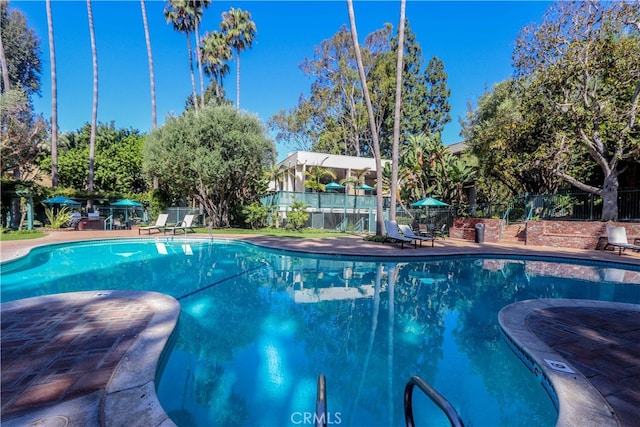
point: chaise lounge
(393, 233)
(408, 232)
(161, 223)
(617, 238)
(184, 225)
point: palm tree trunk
(372, 120)
(152, 79)
(396, 117)
(54, 100)
(193, 79)
(94, 112)
(199, 58)
(238, 80)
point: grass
(305, 233)
(21, 235)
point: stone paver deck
(71, 359)
(90, 358)
(589, 351)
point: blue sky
(474, 39)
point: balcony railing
(320, 201)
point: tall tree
(396, 116)
(240, 31)
(19, 53)
(179, 14)
(54, 100)
(94, 110)
(585, 59)
(197, 10)
(152, 78)
(215, 53)
(21, 129)
(437, 107)
(23, 136)
(372, 123)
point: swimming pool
(258, 326)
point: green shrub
(60, 219)
(297, 217)
(256, 215)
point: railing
(433, 394)
(321, 403)
(108, 223)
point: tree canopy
(333, 119)
(216, 156)
(580, 69)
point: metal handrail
(321, 403)
(433, 394)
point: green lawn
(276, 232)
(21, 235)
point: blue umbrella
(60, 200)
(366, 187)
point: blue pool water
(258, 327)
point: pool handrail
(433, 394)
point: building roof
(329, 161)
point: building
(296, 164)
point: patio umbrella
(366, 187)
(60, 200)
(126, 203)
(334, 186)
(429, 202)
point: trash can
(480, 233)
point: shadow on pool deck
(89, 358)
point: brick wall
(561, 234)
(465, 228)
(575, 234)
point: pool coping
(130, 390)
(578, 400)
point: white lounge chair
(184, 225)
(408, 232)
(617, 238)
(393, 233)
(161, 223)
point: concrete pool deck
(105, 380)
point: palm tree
(239, 31)
(372, 120)
(94, 113)
(54, 100)
(152, 79)
(315, 175)
(396, 117)
(215, 53)
(197, 10)
(179, 13)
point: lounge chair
(184, 225)
(617, 238)
(408, 232)
(161, 223)
(393, 233)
